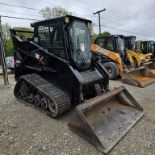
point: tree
(48, 12)
(105, 34)
(25, 34)
(93, 37)
(7, 39)
(6, 31)
(8, 45)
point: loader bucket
(140, 77)
(151, 68)
(105, 119)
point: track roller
(30, 98)
(44, 103)
(37, 100)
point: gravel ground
(27, 131)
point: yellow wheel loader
(115, 45)
(55, 72)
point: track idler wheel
(44, 103)
(53, 108)
(37, 100)
(23, 90)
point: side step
(141, 77)
(105, 119)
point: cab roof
(111, 36)
(130, 36)
(60, 19)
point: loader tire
(112, 69)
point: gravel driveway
(26, 131)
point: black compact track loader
(55, 72)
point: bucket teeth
(105, 119)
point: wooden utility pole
(2, 53)
(99, 18)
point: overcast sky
(128, 17)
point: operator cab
(147, 47)
(113, 43)
(130, 43)
(66, 37)
(150, 46)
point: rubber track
(48, 90)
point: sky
(126, 17)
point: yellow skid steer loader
(109, 47)
(142, 52)
(139, 57)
